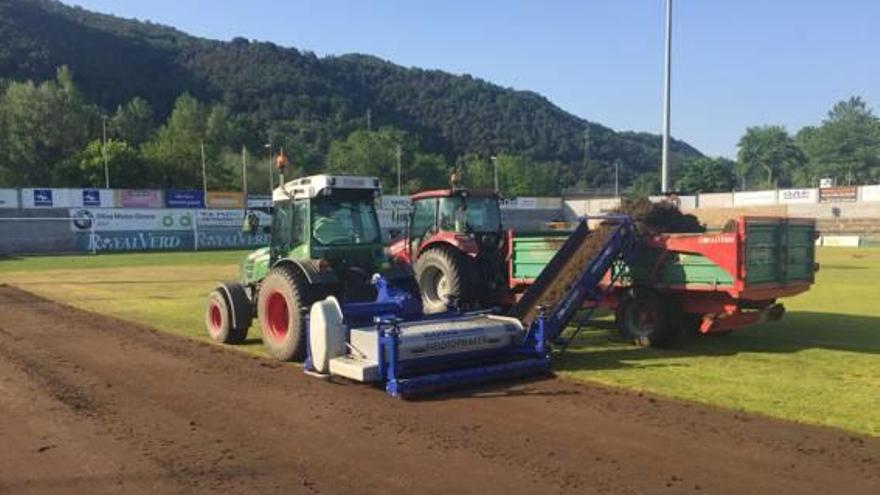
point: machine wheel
(219, 320)
(690, 324)
(647, 318)
(283, 295)
(440, 274)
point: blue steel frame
(530, 357)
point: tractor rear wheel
(646, 318)
(219, 320)
(282, 298)
(441, 275)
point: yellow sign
(223, 199)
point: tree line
(844, 147)
(50, 134)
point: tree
(845, 146)
(706, 175)
(644, 185)
(42, 126)
(768, 152)
(375, 153)
(175, 152)
(124, 163)
(133, 122)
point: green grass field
(820, 365)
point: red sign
(138, 198)
(838, 194)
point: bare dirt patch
(91, 404)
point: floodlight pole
(666, 97)
(104, 151)
(268, 146)
(398, 169)
(204, 171)
(495, 171)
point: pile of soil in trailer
(557, 285)
(659, 218)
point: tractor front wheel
(646, 318)
(282, 297)
(219, 320)
(440, 274)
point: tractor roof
(446, 193)
(314, 185)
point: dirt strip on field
(91, 404)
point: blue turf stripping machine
(389, 342)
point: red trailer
(711, 282)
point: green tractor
(325, 241)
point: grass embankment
(820, 365)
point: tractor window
(336, 222)
(300, 233)
(483, 214)
(471, 214)
(281, 226)
(423, 217)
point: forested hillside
(268, 93)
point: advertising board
(754, 198)
(843, 194)
(224, 199)
(130, 219)
(8, 198)
(869, 193)
(715, 200)
(134, 241)
(798, 196)
(184, 198)
(139, 198)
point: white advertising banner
(687, 201)
(751, 198)
(8, 198)
(228, 218)
(603, 205)
(549, 203)
(869, 193)
(131, 219)
(795, 196)
(715, 200)
(679, 201)
(67, 198)
(394, 202)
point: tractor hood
(255, 266)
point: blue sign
(230, 239)
(184, 198)
(135, 241)
(91, 197)
(42, 197)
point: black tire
(441, 275)
(646, 318)
(219, 320)
(690, 324)
(283, 295)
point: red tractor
(457, 247)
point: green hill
(283, 93)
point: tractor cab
(455, 243)
(326, 217)
(325, 241)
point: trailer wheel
(283, 295)
(690, 324)
(440, 275)
(646, 318)
(219, 320)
